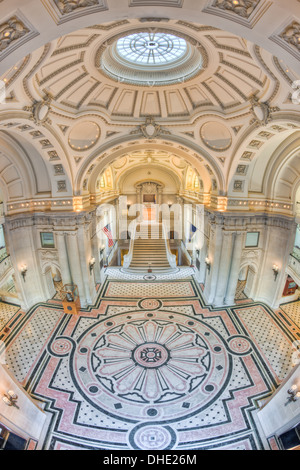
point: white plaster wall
(277, 246)
(279, 414)
(28, 419)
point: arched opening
(246, 282)
(52, 280)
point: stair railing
(128, 258)
(171, 257)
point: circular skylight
(151, 48)
(151, 58)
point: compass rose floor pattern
(151, 367)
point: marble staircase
(149, 250)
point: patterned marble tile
(7, 312)
(151, 366)
(27, 341)
(149, 290)
(293, 311)
(274, 342)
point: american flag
(108, 233)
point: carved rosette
(68, 6)
(10, 31)
(291, 35)
(243, 8)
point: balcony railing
(5, 265)
(294, 262)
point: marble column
(235, 268)
(63, 257)
(214, 255)
(203, 254)
(75, 267)
(95, 247)
(224, 269)
(85, 253)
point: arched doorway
(246, 282)
(52, 281)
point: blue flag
(193, 230)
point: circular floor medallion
(150, 304)
(149, 277)
(152, 438)
(160, 366)
(150, 355)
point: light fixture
(10, 398)
(275, 271)
(92, 264)
(294, 393)
(208, 263)
(23, 271)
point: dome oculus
(151, 48)
(151, 58)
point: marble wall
(77, 239)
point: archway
(246, 282)
(51, 274)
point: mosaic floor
(151, 367)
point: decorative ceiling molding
(14, 32)
(245, 12)
(291, 35)
(150, 129)
(159, 3)
(262, 112)
(40, 111)
(65, 10)
(288, 38)
(74, 76)
(243, 8)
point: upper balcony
(294, 265)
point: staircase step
(149, 249)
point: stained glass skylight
(151, 48)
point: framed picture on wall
(47, 240)
(252, 240)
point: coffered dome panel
(217, 71)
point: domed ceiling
(205, 95)
(84, 73)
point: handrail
(112, 252)
(128, 258)
(186, 253)
(5, 265)
(171, 257)
(294, 264)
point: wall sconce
(92, 264)
(10, 398)
(208, 264)
(275, 271)
(23, 271)
(293, 392)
